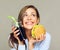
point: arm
(15, 40)
(20, 47)
(44, 45)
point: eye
(33, 15)
(25, 15)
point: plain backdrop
(49, 16)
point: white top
(43, 45)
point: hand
(14, 31)
(34, 40)
(41, 38)
(15, 34)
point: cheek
(35, 20)
(23, 22)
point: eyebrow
(32, 12)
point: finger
(44, 36)
(41, 37)
(17, 34)
(13, 27)
(36, 38)
(16, 31)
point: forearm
(30, 47)
(21, 45)
(20, 42)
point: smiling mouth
(29, 23)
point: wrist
(31, 46)
(20, 42)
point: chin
(29, 28)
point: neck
(28, 34)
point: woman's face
(29, 18)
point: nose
(29, 18)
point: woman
(28, 17)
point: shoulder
(48, 36)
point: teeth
(29, 23)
